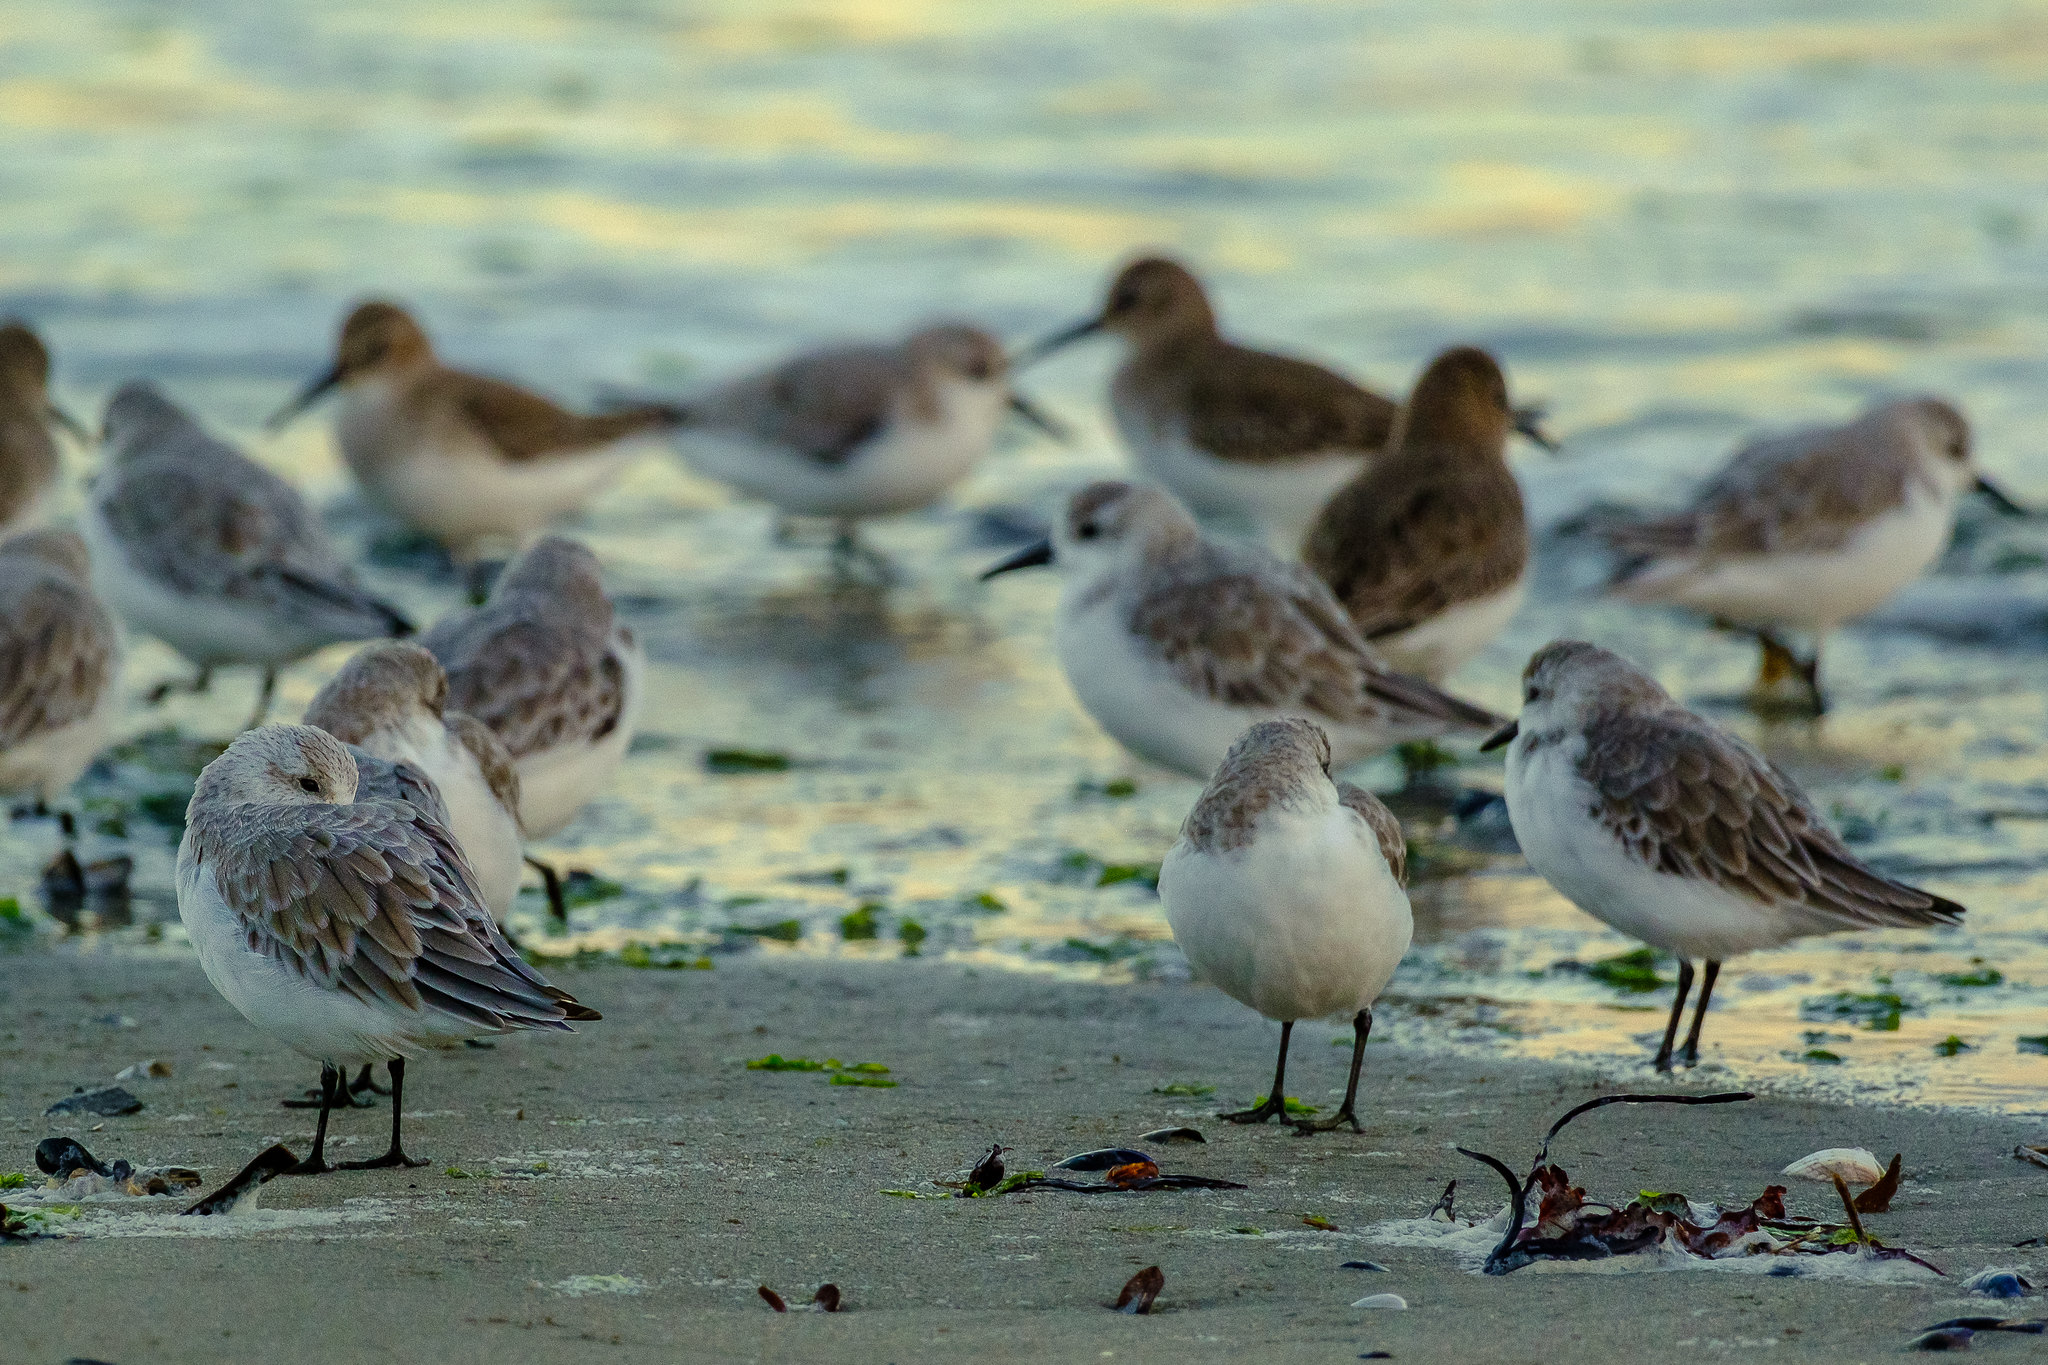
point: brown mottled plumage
(29, 465)
(59, 661)
(1436, 523)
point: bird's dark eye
(1087, 530)
(1123, 301)
(979, 369)
(1535, 694)
(308, 784)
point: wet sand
(671, 1164)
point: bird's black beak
(1038, 351)
(306, 398)
(1529, 422)
(2000, 499)
(1505, 735)
(1030, 557)
(1032, 414)
(78, 430)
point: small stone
(1381, 1301)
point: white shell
(1381, 1301)
(1856, 1166)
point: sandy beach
(623, 1191)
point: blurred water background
(1676, 223)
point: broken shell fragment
(1140, 1290)
(771, 1298)
(1856, 1166)
(272, 1161)
(1171, 1135)
(1362, 1265)
(826, 1300)
(1381, 1301)
(1947, 1339)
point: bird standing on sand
(852, 432)
(463, 458)
(1428, 547)
(557, 679)
(29, 466)
(1285, 890)
(1810, 529)
(60, 664)
(1175, 643)
(390, 701)
(343, 919)
(1659, 823)
(205, 549)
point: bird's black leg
(333, 1086)
(395, 1154)
(1276, 1099)
(67, 823)
(200, 683)
(551, 879)
(352, 1095)
(1677, 1012)
(264, 695)
(1691, 1053)
(366, 1083)
(1809, 673)
(1361, 1029)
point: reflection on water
(1675, 223)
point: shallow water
(1675, 225)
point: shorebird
(1285, 891)
(28, 451)
(463, 458)
(343, 919)
(205, 549)
(1175, 643)
(390, 701)
(1427, 547)
(852, 432)
(1230, 430)
(60, 662)
(1663, 825)
(557, 679)
(1810, 529)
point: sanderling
(205, 549)
(1427, 548)
(463, 458)
(851, 432)
(1810, 529)
(390, 701)
(546, 666)
(346, 923)
(1284, 890)
(1670, 829)
(1175, 642)
(60, 663)
(29, 466)
(1230, 430)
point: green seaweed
(13, 1180)
(582, 888)
(782, 930)
(1116, 789)
(913, 936)
(987, 902)
(1190, 1089)
(666, 957)
(2035, 1043)
(873, 1082)
(745, 761)
(1982, 976)
(1951, 1045)
(1116, 874)
(1116, 950)
(166, 808)
(1294, 1107)
(1635, 971)
(1877, 1011)
(860, 924)
(1820, 1056)
(775, 1061)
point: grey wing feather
(375, 899)
(1247, 629)
(534, 682)
(1691, 801)
(826, 404)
